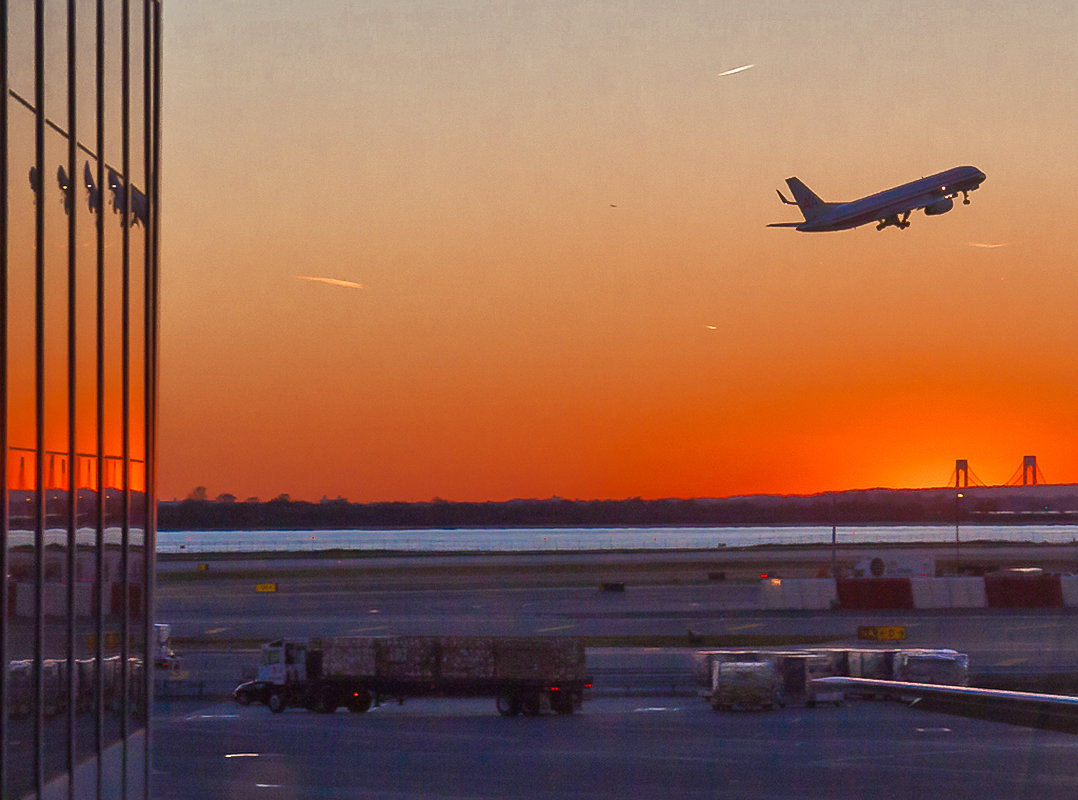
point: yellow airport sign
(265, 587)
(202, 567)
(881, 633)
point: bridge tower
(961, 473)
(1029, 470)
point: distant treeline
(995, 505)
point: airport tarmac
(227, 613)
(646, 733)
(218, 620)
(614, 748)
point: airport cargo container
(744, 685)
(874, 664)
(703, 662)
(796, 671)
(524, 674)
(946, 667)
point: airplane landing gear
(965, 198)
(901, 224)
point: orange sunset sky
(553, 217)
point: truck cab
(284, 661)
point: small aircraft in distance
(935, 194)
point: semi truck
(525, 675)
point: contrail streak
(333, 282)
(987, 245)
(736, 70)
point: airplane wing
(784, 224)
(1030, 709)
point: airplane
(65, 186)
(138, 213)
(93, 196)
(935, 194)
(1028, 709)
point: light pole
(957, 542)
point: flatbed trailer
(525, 675)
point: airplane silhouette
(935, 194)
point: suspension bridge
(1026, 474)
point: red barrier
(874, 593)
(1023, 591)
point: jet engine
(941, 206)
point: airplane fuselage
(934, 194)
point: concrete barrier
(772, 595)
(924, 595)
(799, 594)
(819, 594)
(968, 593)
(948, 592)
(24, 600)
(874, 593)
(54, 599)
(84, 599)
(793, 595)
(1068, 584)
(1023, 591)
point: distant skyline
(489, 250)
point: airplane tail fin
(807, 200)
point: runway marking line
(746, 627)
(1012, 662)
(557, 628)
(365, 630)
(215, 630)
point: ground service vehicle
(524, 674)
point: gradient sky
(554, 214)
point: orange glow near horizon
(558, 221)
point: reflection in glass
(75, 375)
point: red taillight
(553, 688)
(587, 685)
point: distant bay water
(515, 540)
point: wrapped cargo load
(797, 670)
(873, 664)
(346, 655)
(702, 661)
(406, 657)
(743, 685)
(947, 667)
(533, 659)
(467, 657)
